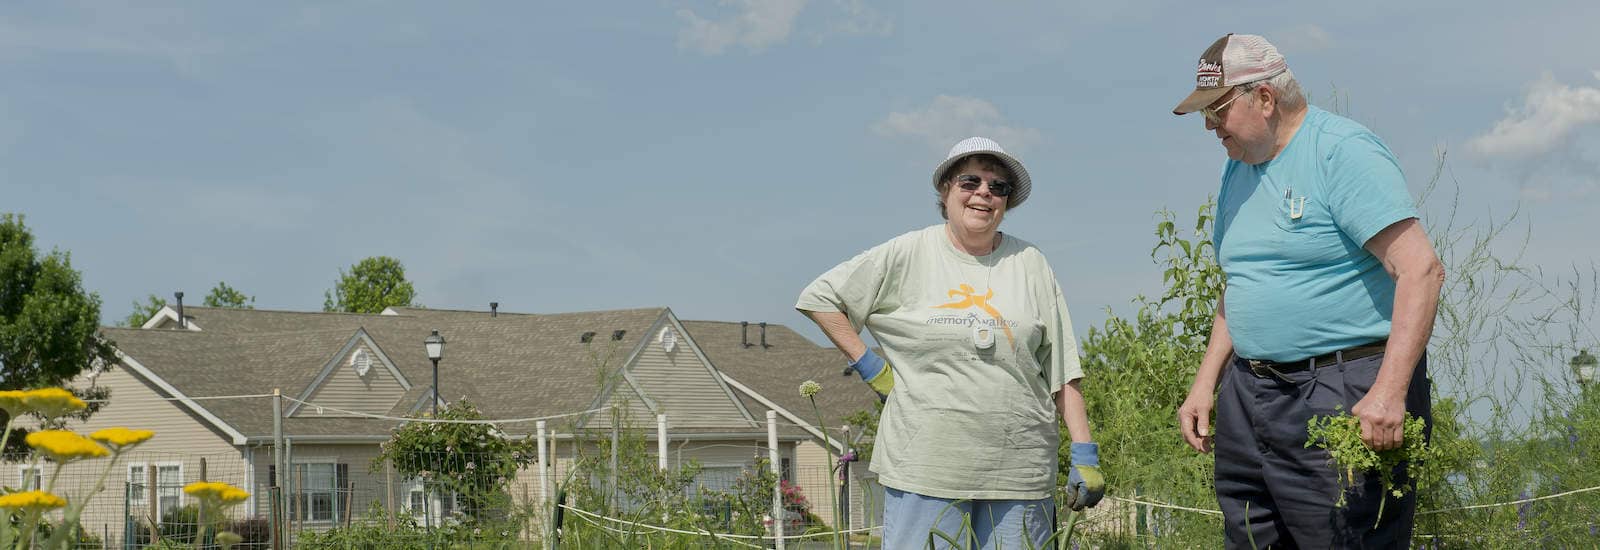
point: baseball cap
(1232, 60)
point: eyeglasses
(1214, 114)
(997, 187)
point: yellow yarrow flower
(12, 401)
(65, 446)
(32, 499)
(120, 438)
(52, 402)
(216, 492)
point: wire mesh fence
(142, 502)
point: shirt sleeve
(1222, 217)
(855, 287)
(1366, 190)
(1058, 349)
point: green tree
(226, 296)
(49, 325)
(144, 311)
(370, 286)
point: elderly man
(1331, 292)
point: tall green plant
(1139, 370)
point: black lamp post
(1583, 367)
(435, 345)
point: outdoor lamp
(1583, 366)
(435, 345)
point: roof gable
(360, 342)
(511, 366)
(680, 383)
(769, 376)
(167, 318)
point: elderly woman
(984, 363)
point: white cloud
(140, 31)
(857, 19)
(1301, 39)
(950, 118)
(1547, 122)
(759, 24)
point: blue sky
(715, 156)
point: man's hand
(1383, 414)
(1085, 484)
(1194, 418)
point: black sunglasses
(998, 188)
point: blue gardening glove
(1085, 484)
(875, 372)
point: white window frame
(136, 483)
(727, 473)
(300, 489)
(176, 489)
(433, 505)
(22, 477)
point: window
(320, 491)
(169, 487)
(136, 483)
(429, 509)
(717, 478)
(29, 477)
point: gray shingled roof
(511, 366)
(776, 371)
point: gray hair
(984, 160)
(1285, 87)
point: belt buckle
(1260, 368)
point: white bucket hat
(982, 145)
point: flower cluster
(792, 496)
(31, 500)
(52, 402)
(120, 438)
(48, 402)
(27, 509)
(64, 446)
(216, 492)
(810, 388)
(11, 401)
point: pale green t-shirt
(962, 421)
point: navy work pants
(1277, 493)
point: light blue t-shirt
(1289, 235)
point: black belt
(1265, 368)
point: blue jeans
(909, 520)
(1276, 493)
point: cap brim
(1199, 99)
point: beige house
(205, 380)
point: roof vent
(764, 343)
(617, 334)
(181, 322)
(744, 338)
(668, 339)
(494, 309)
(362, 361)
(586, 337)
